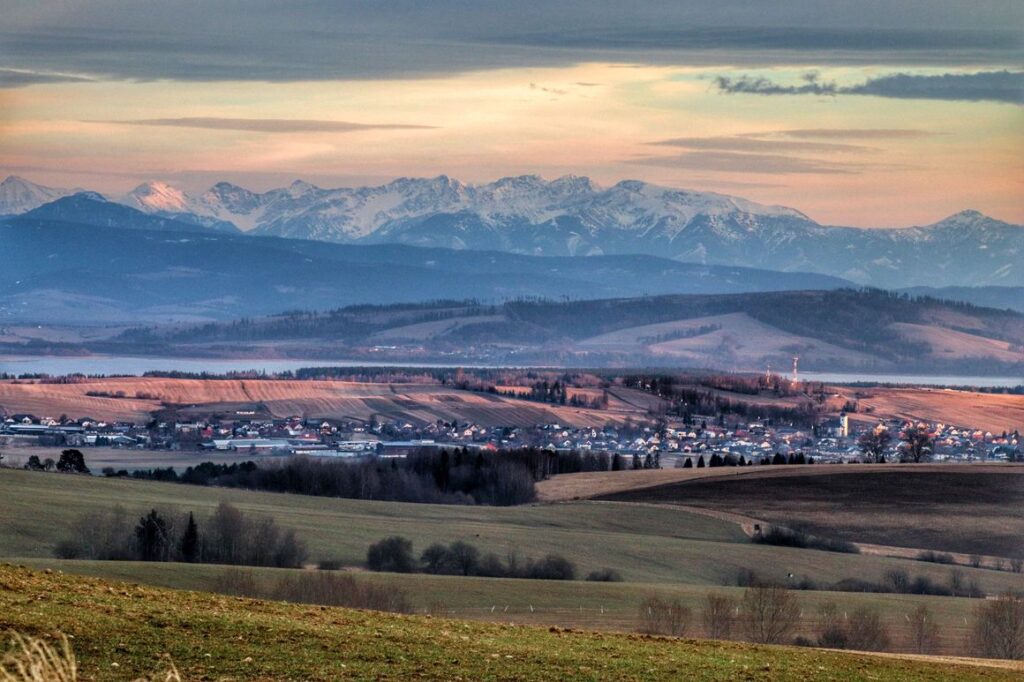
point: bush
(718, 614)
(924, 631)
(393, 554)
(662, 617)
(769, 613)
(327, 589)
(552, 567)
(787, 537)
(605, 575)
(936, 557)
(866, 631)
(998, 630)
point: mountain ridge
(572, 216)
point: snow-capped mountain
(572, 216)
(18, 195)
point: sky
(864, 113)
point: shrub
(605, 575)
(787, 537)
(866, 631)
(718, 614)
(936, 557)
(393, 554)
(769, 613)
(552, 567)
(924, 631)
(662, 617)
(998, 630)
(324, 588)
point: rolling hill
(159, 269)
(829, 330)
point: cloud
(267, 40)
(853, 133)
(17, 78)
(756, 143)
(552, 91)
(994, 86)
(267, 125)
(738, 162)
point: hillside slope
(122, 631)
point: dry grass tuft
(35, 660)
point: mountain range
(569, 216)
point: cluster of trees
(70, 462)
(395, 554)
(686, 400)
(771, 614)
(787, 537)
(916, 444)
(321, 587)
(555, 393)
(458, 476)
(730, 460)
(227, 536)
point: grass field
(646, 543)
(121, 631)
(967, 509)
(575, 604)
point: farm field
(990, 411)
(968, 509)
(645, 543)
(566, 604)
(133, 458)
(416, 403)
(258, 639)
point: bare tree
(999, 627)
(662, 617)
(924, 630)
(769, 613)
(719, 615)
(866, 631)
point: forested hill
(843, 328)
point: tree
(435, 559)
(152, 537)
(924, 631)
(874, 442)
(718, 614)
(464, 556)
(917, 443)
(999, 627)
(72, 461)
(769, 613)
(392, 554)
(700, 462)
(33, 463)
(660, 617)
(688, 464)
(189, 548)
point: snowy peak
(157, 197)
(18, 195)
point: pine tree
(190, 541)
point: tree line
(226, 536)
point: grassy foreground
(120, 631)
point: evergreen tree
(189, 548)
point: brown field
(418, 404)
(951, 508)
(990, 411)
(950, 343)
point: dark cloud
(17, 78)
(757, 143)
(994, 86)
(853, 133)
(267, 125)
(350, 39)
(738, 162)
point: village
(662, 443)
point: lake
(130, 365)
